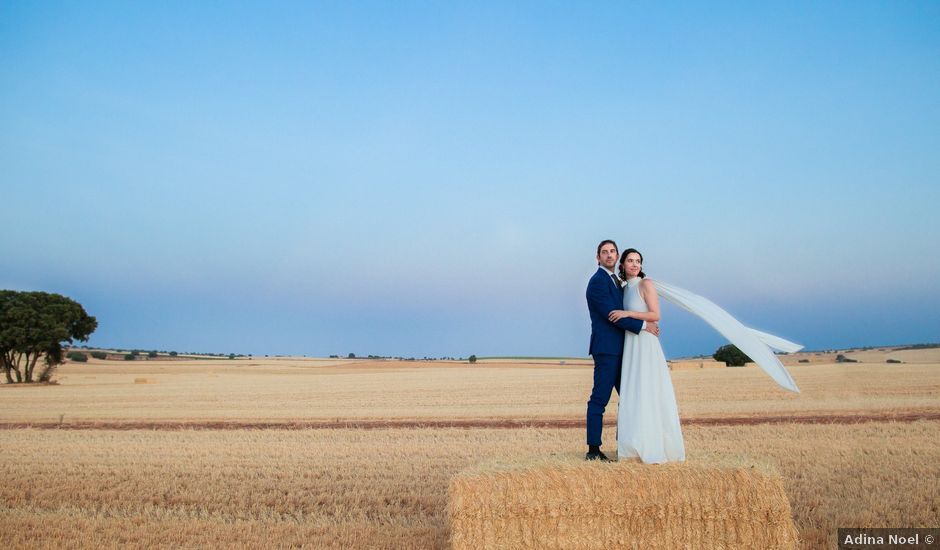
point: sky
(432, 179)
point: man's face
(608, 256)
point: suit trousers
(606, 378)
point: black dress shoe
(597, 455)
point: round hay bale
(701, 503)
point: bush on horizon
(731, 356)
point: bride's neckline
(634, 281)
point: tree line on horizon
(36, 325)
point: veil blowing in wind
(755, 344)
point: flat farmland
(307, 390)
(330, 454)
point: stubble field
(298, 452)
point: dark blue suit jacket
(603, 296)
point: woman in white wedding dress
(647, 418)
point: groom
(603, 296)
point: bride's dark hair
(623, 273)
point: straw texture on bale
(576, 505)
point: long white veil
(754, 343)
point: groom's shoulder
(597, 277)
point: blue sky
(433, 178)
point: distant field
(875, 355)
(312, 389)
(386, 487)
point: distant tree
(473, 359)
(99, 355)
(35, 325)
(231, 356)
(173, 354)
(77, 356)
(731, 356)
(130, 357)
(351, 356)
(135, 353)
(151, 354)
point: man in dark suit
(604, 294)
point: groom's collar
(609, 272)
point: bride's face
(632, 265)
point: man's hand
(652, 327)
(617, 315)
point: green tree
(473, 359)
(731, 356)
(99, 355)
(77, 356)
(152, 354)
(34, 326)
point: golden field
(387, 487)
(308, 389)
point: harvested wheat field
(292, 390)
(324, 454)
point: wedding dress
(647, 417)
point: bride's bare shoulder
(647, 285)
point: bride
(648, 418)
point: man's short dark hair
(606, 241)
